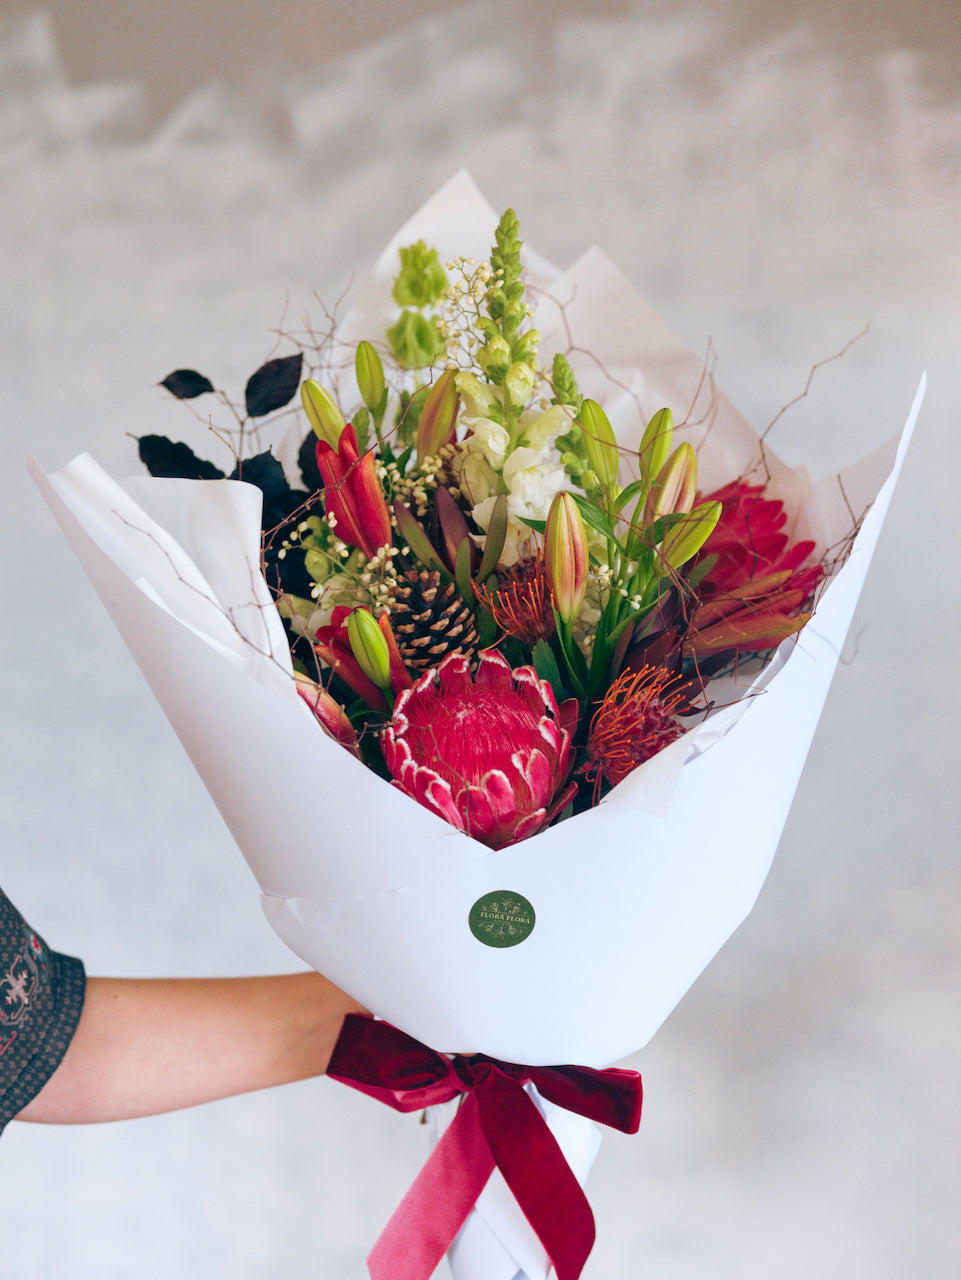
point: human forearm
(145, 1046)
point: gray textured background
(771, 176)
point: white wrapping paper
(633, 898)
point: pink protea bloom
(487, 754)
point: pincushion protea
(635, 721)
(488, 754)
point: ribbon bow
(498, 1125)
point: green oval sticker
(501, 919)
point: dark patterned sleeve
(41, 995)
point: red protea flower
(635, 721)
(749, 541)
(488, 754)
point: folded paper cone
(629, 900)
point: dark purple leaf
(164, 458)
(267, 474)
(307, 461)
(185, 384)
(273, 385)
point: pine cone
(430, 620)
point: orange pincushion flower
(635, 721)
(523, 606)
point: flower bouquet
(502, 669)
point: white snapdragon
(539, 429)
(488, 438)
(532, 478)
(477, 397)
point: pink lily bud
(438, 417)
(675, 487)
(331, 715)
(565, 556)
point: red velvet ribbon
(497, 1125)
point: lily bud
(322, 412)
(329, 712)
(438, 417)
(599, 441)
(370, 377)
(656, 444)
(686, 538)
(565, 556)
(369, 646)
(675, 486)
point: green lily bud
(519, 383)
(675, 485)
(686, 538)
(656, 444)
(566, 556)
(369, 647)
(415, 341)
(438, 417)
(599, 441)
(370, 377)
(322, 412)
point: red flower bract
(749, 541)
(487, 754)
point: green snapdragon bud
(370, 377)
(494, 357)
(525, 348)
(599, 441)
(322, 412)
(564, 382)
(369, 646)
(519, 383)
